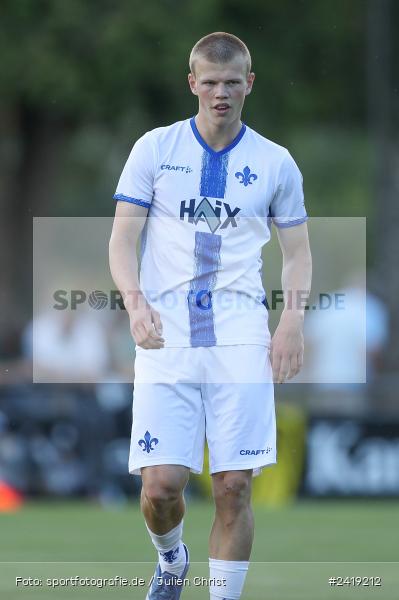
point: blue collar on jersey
(208, 148)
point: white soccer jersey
(209, 217)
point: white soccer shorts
(221, 393)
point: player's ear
(250, 82)
(192, 83)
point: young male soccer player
(210, 187)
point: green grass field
(296, 549)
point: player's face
(221, 89)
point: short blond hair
(219, 47)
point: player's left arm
(287, 344)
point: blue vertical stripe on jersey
(207, 264)
(214, 174)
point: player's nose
(221, 91)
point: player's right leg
(162, 504)
(167, 442)
(162, 500)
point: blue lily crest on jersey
(148, 443)
(170, 556)
(177, 168)
(204, 211)
(246, 176)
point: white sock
(171, 554)
(230, 575)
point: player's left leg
(232, 533)
(233, 528)
(241, 433)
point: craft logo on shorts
(206, 213)
(255, 452)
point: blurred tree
(383, 114)
(121, 66)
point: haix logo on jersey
(205, 212)
(176, 168)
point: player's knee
(161, 494)
(232, 491)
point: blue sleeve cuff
(124, 198)
(291, 223)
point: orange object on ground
(10, 498)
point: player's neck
(217, 136)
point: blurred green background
(80, 81)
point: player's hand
(286, 353)
(146, 326)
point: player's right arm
(134, 194)
(145, 322)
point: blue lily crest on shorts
(148, 443)
(246, 176)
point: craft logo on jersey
(177, 168)
(204, 211)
